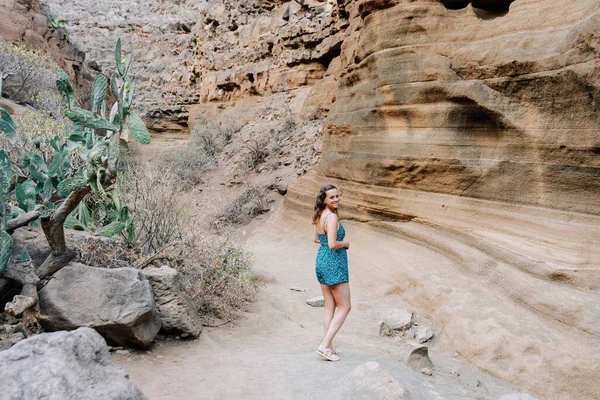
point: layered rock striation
(472, 132)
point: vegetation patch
(27, 77)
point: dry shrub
(102, 253)
(29, 77)
(160, 216)
(217, 274)
(250, 203)
(205, 144)
(256, 153)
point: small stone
(423, 335)
(282, 189)
(318, 301)
(122, 352)
(427, 371)
(297, 289)
(300, 171)
(415, 356)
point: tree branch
(53, 226)
(22, 220)
(54, 262)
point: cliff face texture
(24, 22)
(472, 132)
(469, 129)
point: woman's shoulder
(331, 218)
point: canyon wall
(25, 22)
(467, 128)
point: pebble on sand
(318, 301)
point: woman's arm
(332, 225)
(316, 235)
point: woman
(332, 267)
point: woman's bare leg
(329, 307)
(341, 295)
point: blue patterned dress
(332, 265)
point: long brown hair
(320, 203)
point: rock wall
(444, 101)
(472, 132)
(25, 22)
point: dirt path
(269, 353)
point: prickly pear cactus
(6, 242)
(42, 181)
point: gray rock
(518, 396)
(423, 335)
(369, 381)
(318, 301)
(176, 309)
(282, 189)
(415, 356)
(397, 320)
(118, 303)
(427, 371)
(64, 365)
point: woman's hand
(347, 245)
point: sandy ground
(269, 352)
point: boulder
(64, 365)
(318, 301)
(175, 307)
(415, 356)
(118, 303)
(397, 320)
